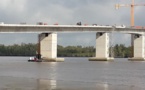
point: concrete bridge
(48, 38)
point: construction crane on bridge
(132, 5)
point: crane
(132, 5)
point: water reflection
(53, 70)
(103, 86)
(11, 83)
(49, 84)
(106, 86)
(46, 84)
(70, 85)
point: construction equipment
(132, 5)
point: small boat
(34, 59)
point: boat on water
(34, 59)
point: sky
(68, 12)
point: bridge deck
(18, 28)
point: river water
(73, 74)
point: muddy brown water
(73, 74)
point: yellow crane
(132, 5)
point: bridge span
(48, 38)
(18, 28)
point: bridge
(48, 38)
(18, 28)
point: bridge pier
(48, 47)
(102, 47)
(139, 48)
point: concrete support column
(139, 49)
(48, 47)
(102, 47)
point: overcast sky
(100, 12)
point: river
(73, 74)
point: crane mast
(132, 13)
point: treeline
(122, 51)
(69, 51)
(118, 51)
(76, 51)
(18, 50)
